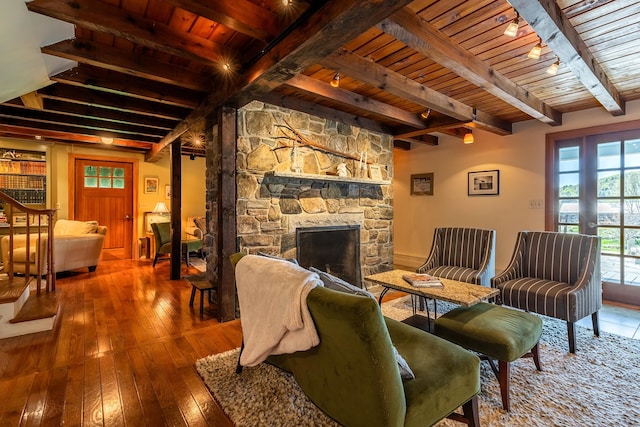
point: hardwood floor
(122, 352)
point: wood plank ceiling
(150, 71)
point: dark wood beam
(242, 16)
(335, 23)
(555, 29)
(113, 102)
(421, 139)
(125, 85)
(440, 125)
(48, 117)
(351, 99)
(423, 37)
(176, 210)
(110, 58)
(226, 221)
(402, 145)
(105, 18)
(376, 75)
(92, 112)
(69, 135)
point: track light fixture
(468, 138)
(425, 114)
(335, 81)
(535, 51)
(513, 27)
(553, 68)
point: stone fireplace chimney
(282, 187)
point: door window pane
(90, 182)
(569, 184)
(632, 182)
(632, 153)
(569, 211)
(118, 172)
(90, 171)
(118, 183)
(105, 182)
(568, 229)
(610, 240)
(609, 155)
(632, 242)
(632, 271)
(608, 212)
(105, 171)
(569, 159)
(609, 184)
(610, 268)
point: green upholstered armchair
(162, 236)
(353, 376)
(554, 274)
(463, 254)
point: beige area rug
(597, 386)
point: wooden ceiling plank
(397, 84)
(555, 29)
(428, 40)
(242, 16)
(345, 97)
(32, 100)
(114, 102)
(102, 17)
(110, 58)
(332, 25)
(120, 84)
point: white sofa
(77, 244)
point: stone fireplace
(334, 249)
(282, 188)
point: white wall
(520, 159)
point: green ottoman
(496, 332)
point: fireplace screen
(334, 249)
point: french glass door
(597, 191)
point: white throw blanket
(272, 294)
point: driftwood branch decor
(296, 137)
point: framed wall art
(422, 184)
(151, 184)
(375, 172)
(484, 183)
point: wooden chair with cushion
(463, 254)
(162, 236)
(554, 274)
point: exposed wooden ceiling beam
(114, 102)
(351, 99)
(422, 139)
(242, 16)
(135, 87)
(376, 75)
(555, 29)
(110, 58)
(440, 125)
(418, 34)
(334, 24)
(105, 18)
(48, 117)
(32, 100)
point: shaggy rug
(597, 386)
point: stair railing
(30, 218)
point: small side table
(199, 282)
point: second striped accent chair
(462, 254)
(554, 274)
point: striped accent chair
(554, 274)
(462, 254)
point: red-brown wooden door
(104, 192)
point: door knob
(128, 217)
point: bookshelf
(23, 176)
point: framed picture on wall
(151, 184)
(167, 192)
(422, 184)
(484, 183)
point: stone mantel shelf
(331, 178)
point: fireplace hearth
(334, 249)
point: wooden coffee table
(460, 293)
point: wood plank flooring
(122, 353)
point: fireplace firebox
(334, 249)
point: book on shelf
(421, 280)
